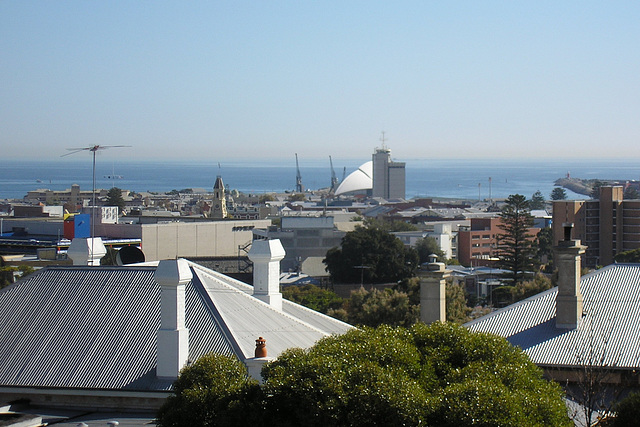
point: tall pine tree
(515, 244)
(114, 198)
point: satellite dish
(129, 255)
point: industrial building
(306, 241)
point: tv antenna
(93, 149)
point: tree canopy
(537, 201)
(544, 249)
(397, 306)
(377, 307)
(627, 411)
(370, 255)
(427, 246)
(114, 198)
(515, 243)
(389, 225)
(435, 375)
(207, 393)
(558, 193)
(632, 256)
(313, 297)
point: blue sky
(224, 80)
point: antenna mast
(93, 149)
(383, 139)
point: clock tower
(219, 208)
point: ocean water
(460, 179)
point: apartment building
(477, 245)
(606, 226)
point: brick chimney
(433, 292)
(266, 256)
(569, 298)
(173, 335)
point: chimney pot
(261, 347)
(568, 227)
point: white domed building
(359, 181)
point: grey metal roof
(609, 329)
(95, 327)
(248, 318)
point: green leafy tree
(377, 307)
(370, 255)
(544, 246)
(389, 225)
(114, 198)
(515, 244)
(529, 288)
(632, 256)
(208, 393)
(268, 197)
(297, 197)
(427, 246)
(456, 301)
(627, 411)
(456, 304)
(7, 273)
(436, 375)
(537, 201)
(313, 297)
(505, 295)
(558, 193)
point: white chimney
(86, 251)
(569, 298)
(266, 256)
(433, 292)
(173, 336)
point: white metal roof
(609, 329)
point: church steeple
(219, 208)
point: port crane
(334, 178)
(299, 186)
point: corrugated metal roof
(73, 327)
(96, 327)
(247, 318)
(325, 323)
(608, 334)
